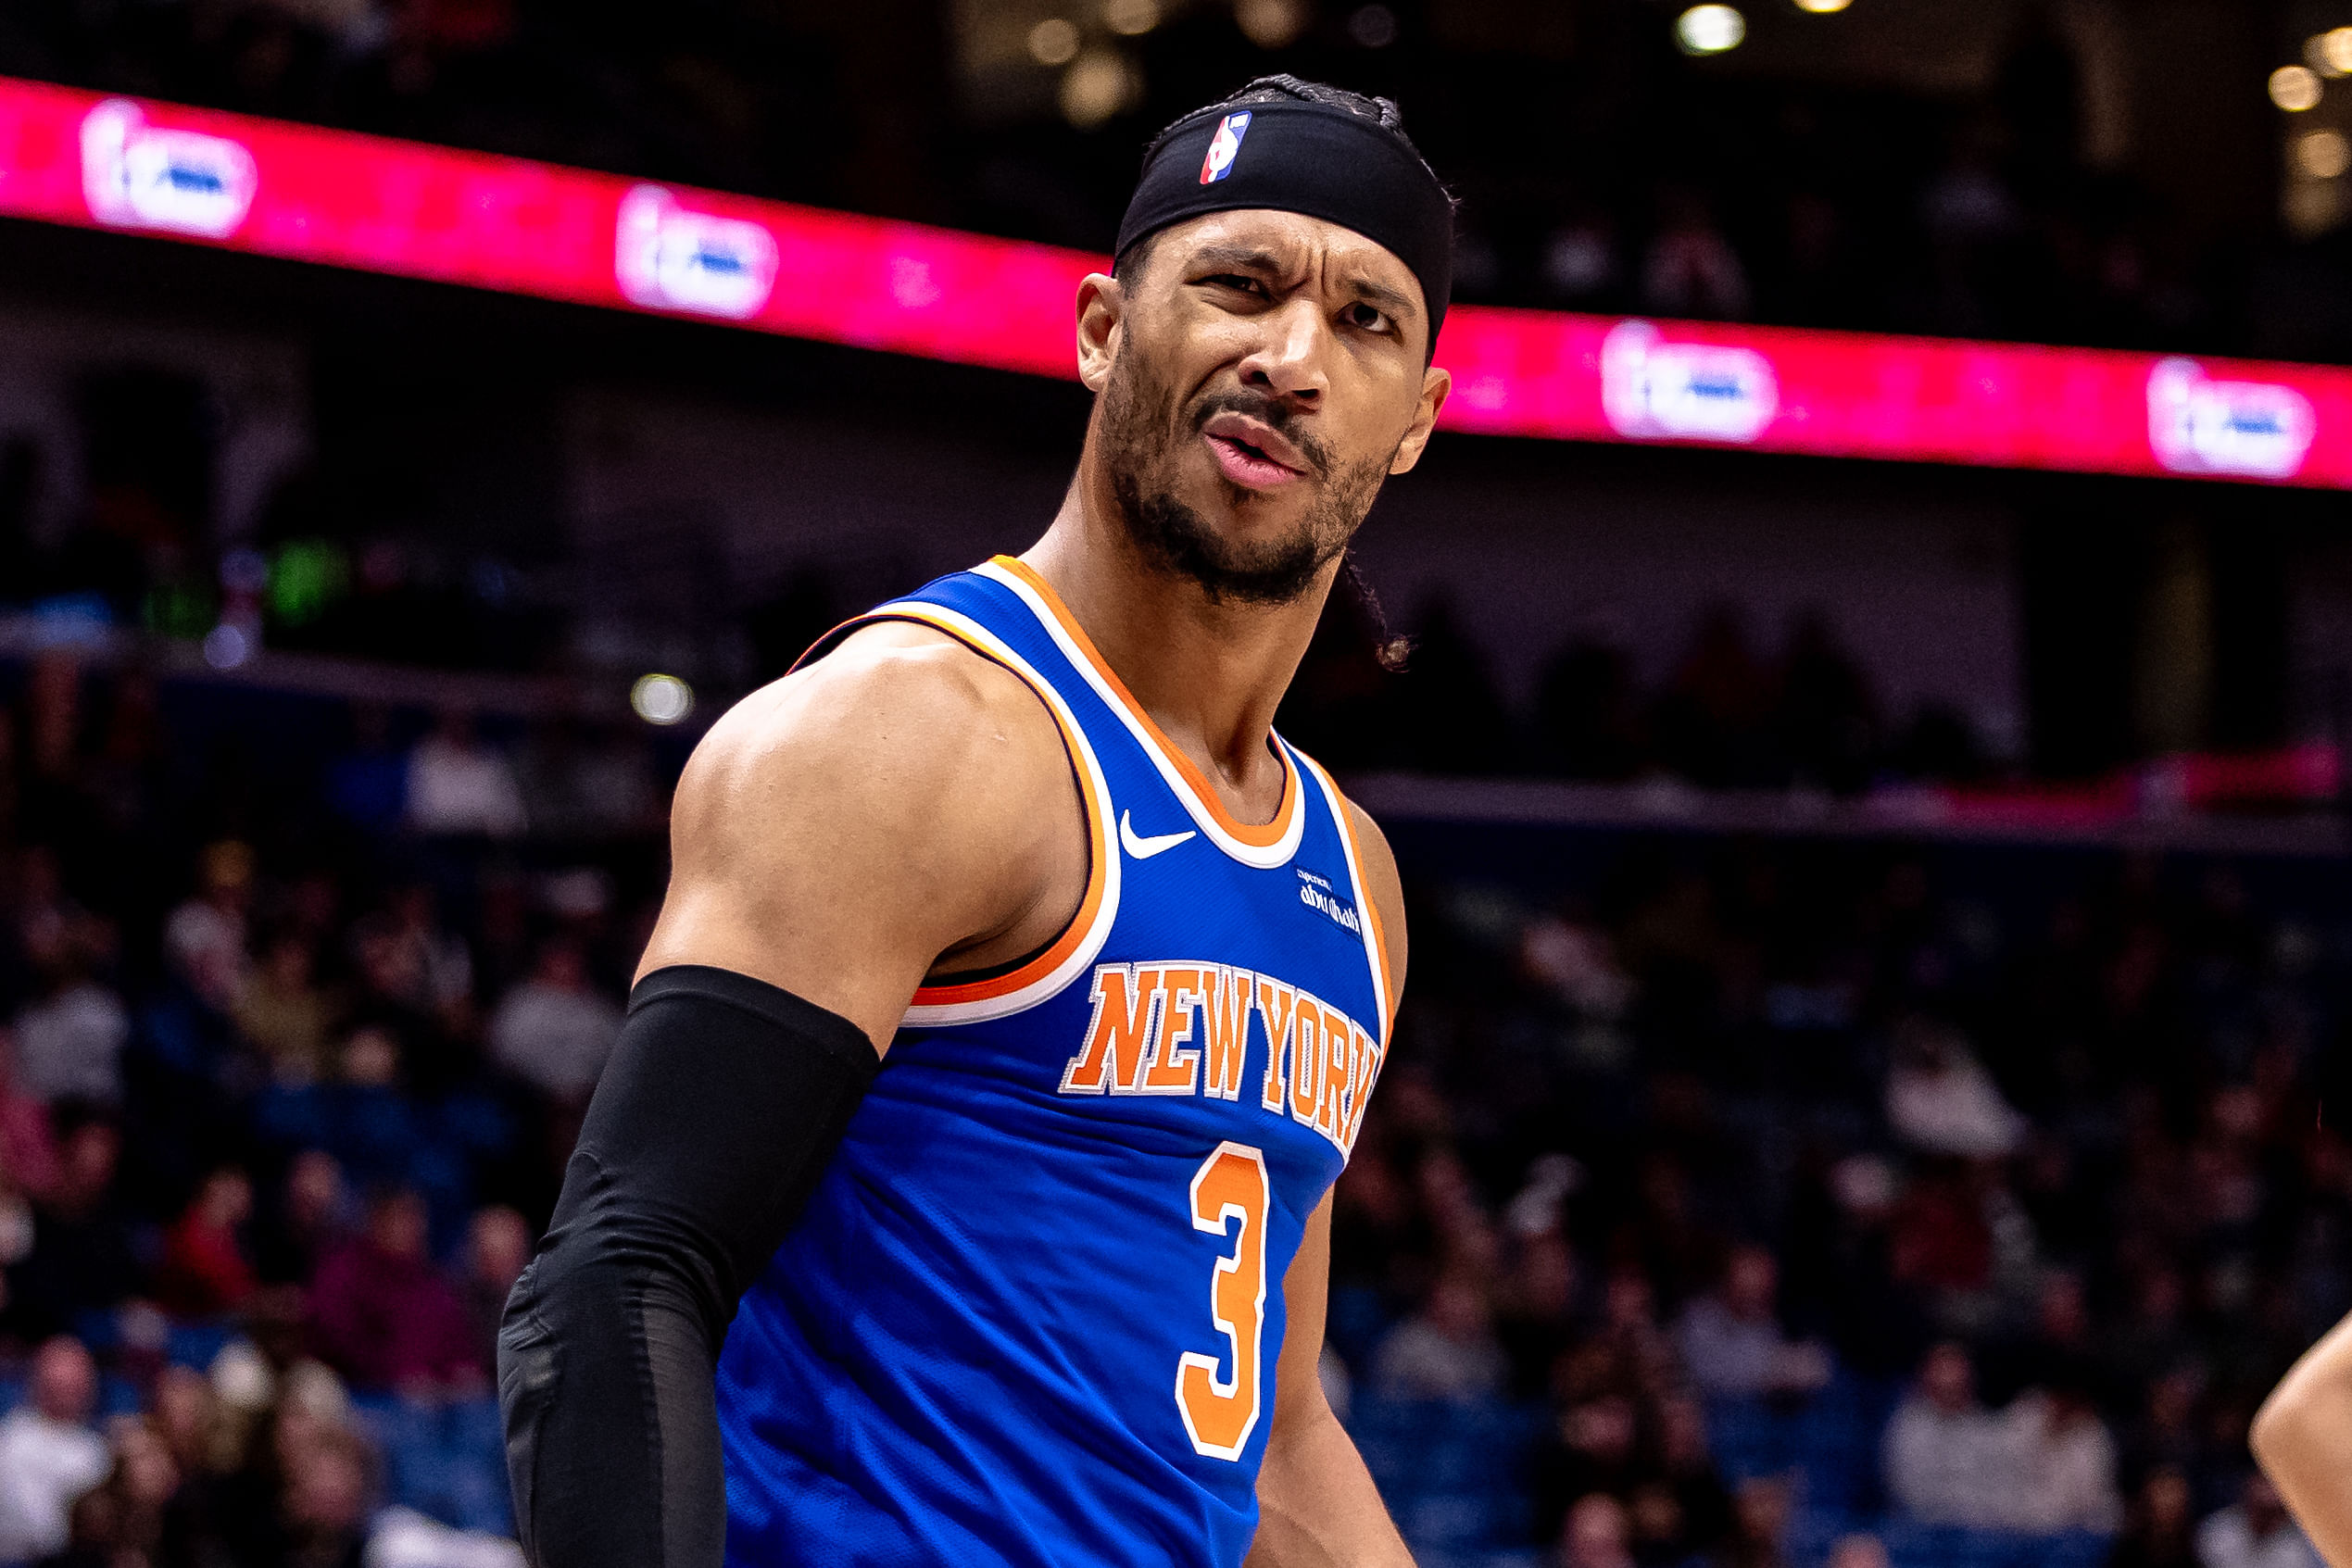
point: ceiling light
(1055, 42)
(2330, 52)
(2324, 154)
(1709, 30)
(661, 699)
(1270, 24)
(1097, 86)
(1131, 18)
(1823, 7)
(2296, 88)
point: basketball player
(2303, 1438)
(1019, 993)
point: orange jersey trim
(1257, 837)
(1099, 847)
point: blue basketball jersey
(1032, 1312)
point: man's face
(1260, 374)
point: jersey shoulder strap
(985, 618)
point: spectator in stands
(1660, 1538)
(324, 1510)
(1939, 1099)
(2167, 1432)
(49, 1455)
(2059, 1345)
(1825, 715)
(584, 787)
(187, 1417)
(1447, 1350)
(1691, 269)
(497, 1248)
(1633, 1351)
(1596, 1534)
(364, 1117)
(1942, 1242)
(554, 1031)
(385, 1316)
(1690, 1474)
(2159, 1530)
(2064, 1463)
(307, 1222)
(81, 1258)
(459, 787)
(426, 966)
(1731, 1341)
(205, 1269)
(1858, 1551)
(203, 941)
(1710, 721)
(1536, 1315)
(1580, 265)
(70, 1042)
(2254, 1532)
(2154, 1342)
(284, 1014)
(1942, 1456)
(1595, 1448)
(130, 1517)
(1760, 1525)
(367, 785)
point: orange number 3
(1220, 1416)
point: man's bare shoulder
(898, 713)
(1385, 886)
(839, 830)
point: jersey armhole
(1375, 941)
(1002, 988)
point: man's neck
(1210, 673)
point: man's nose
(1288, 360)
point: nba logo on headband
(1224, 146)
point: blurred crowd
(1650, 183)
(1731, 712)
(1736, 1203)
(297, 1042)
(1842, 1202)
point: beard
(1144, 433)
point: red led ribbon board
(507, 224)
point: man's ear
(1102, 302)
(1435, 387)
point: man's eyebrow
(1394, 301)
(1254, 257)
(1259, 259)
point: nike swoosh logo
(1144, 848)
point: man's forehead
(1293, 241)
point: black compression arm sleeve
(723, 1101)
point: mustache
(1281, 416)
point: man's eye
(1235, 280)
(1367, 318)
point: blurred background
(1870, 1092)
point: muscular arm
(840, 832)
(1317, 1505)
(2303, 1438)
(832, 838)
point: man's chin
(1239, 546)
(1247, 519)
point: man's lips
(1251, 453)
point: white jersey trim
(1373, 957)
(1105, 842)
(1270, 857)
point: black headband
(1317, 159)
